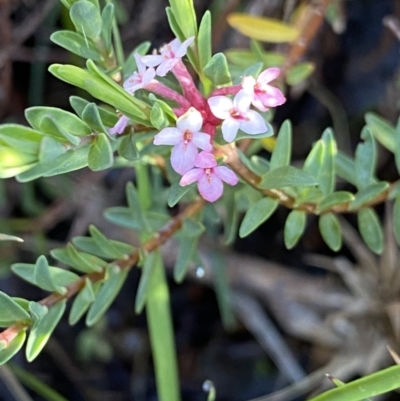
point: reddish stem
(227, 90)
(162, 90)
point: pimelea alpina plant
(182, 114)
(201, 113)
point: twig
(131, 260)
(310, 23)
(232, 159)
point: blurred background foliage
(299, 313)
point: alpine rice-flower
(209, 176)
(169, 55)
(264, 95)
(139, 78)
(187, 138)
(237, 115)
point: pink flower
(209, 176)
(237, 114)
(264, 95)
(186, 138)
(120, 126)
(139, 78)
(169, 55)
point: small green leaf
(299, 73)
(382, 130)
(177, 192)
(286, 176)
(326, 176)
(368, 193)
(49, 125)
(81, 303)
(107, 293)
(100, 154)
(283, 147)
(77, 44)
(11, 312)
(86, 18)
(44, 278)
(128, 149)
(191, 228)
(147, 270)
(370, 229)
(294, 227)
(345, 168)
(91, 116)
(334, 199)
(80, 261)
(187, 248)
(204, 39)
(64, 119)
(243, 135)
(365, 159)
(20, 137)
(50, 148)
(12, 348)
(135, 207)
(257, 214)
(217, 70)
(157, 117)
(73, 159)
(331, 232)
(60, 277)
(107, 18)
(89, 245)
(41, 333)
(185, 16)
(313, 162)
(105, 244)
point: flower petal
(230, 128)
(172, 46)
(192, 121)
(181, 51)
(205, 160)
(202, 141)
(152, 60)
(226, 175)
(253, 123)
(139, 63)
(257, 103)
(132, 83)
(183, 156)
(271, 97)
(191, 176)
(268, 75)
(120, 126)
(210, 187)
(220, 106)
(168, 136)
(148, 75)
(166, 66)
(248, 83)
(242, 101)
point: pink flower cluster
(198, 118)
